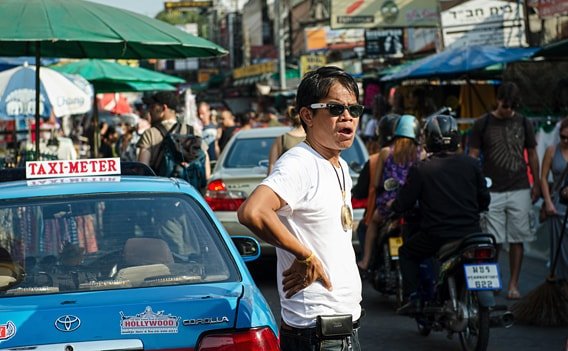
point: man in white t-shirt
(304, 209)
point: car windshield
(109, 242)
(253, 152)
(248, 153)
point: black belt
(309, 330)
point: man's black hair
(508, 92)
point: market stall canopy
(396, 68)
(108, 76)
(558, 49)
(82, 29)
(122, 87)
(461, 60)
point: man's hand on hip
(302, 273)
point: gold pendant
(346, 218)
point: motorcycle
(456, 295)
(386, 275)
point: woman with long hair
(394, 162)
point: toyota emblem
(67, 323)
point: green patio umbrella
(82, 29)
(112, 77)
(101, 72)
(122, 87)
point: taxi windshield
(100, 242)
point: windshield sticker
(7, 331)
(149, 322)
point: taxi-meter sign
(482, 276)
(72, 168)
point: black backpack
(181, 156)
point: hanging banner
(421, 39)
(322, 38)
(484, 22)
(384, 42)
(383, 13)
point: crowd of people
(215, 126)
(423, 153)
(504, 142)
(303, 207)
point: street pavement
(382, 329)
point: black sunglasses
(338, 109)
(563, 137)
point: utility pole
(281, 46)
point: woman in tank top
(394, 163)
(287, 140)
(555, 161)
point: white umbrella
(60, 94)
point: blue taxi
(94, 258)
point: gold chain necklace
(346, 214)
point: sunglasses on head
(338, 109)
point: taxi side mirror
(248, 247)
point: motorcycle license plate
(482, 276)
(394, 244)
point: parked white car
(243, 165)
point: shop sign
(549, 8)
(311, 62)
(254, 70)
(170, 5)
(383, 13)
(204, 74)
(484, 22)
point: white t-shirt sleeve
(289, 178)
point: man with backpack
(171, 148)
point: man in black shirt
(450, 191)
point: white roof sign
(72, 168)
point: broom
(547, 305)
